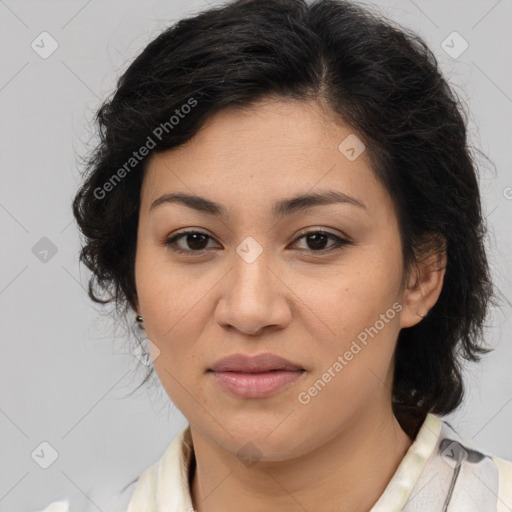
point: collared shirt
(441, 472)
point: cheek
(353, 295)
(359, 312)
(165, 291)
(165, 301)
(352, 367)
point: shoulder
(56, 506)
(504, 468)
(141, 492)
(495, 471)
(116, 501)
(504, 483)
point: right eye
(195, 240)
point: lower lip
(256, 385)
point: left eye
(318, 238)
(196, 240)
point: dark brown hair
(376, 76)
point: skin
(345, 444)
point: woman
(284, 200)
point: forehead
(272, 150)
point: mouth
(255, 377)
(254, 364)
(256, 384)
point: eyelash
(340, 242)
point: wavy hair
(376, 76)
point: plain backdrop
(66, 368)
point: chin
(268, 442)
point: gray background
(65, 368)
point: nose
(254, 298)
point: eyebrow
(280, 209)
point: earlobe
(424, 288)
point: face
(308, 282)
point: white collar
(426, 468)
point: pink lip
(252, 364)
(256, 385)
(255, 377)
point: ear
(425, 282)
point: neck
(353, 468)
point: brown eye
(316, 241)
(194, 241)
(197, 242)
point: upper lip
(253, 364)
